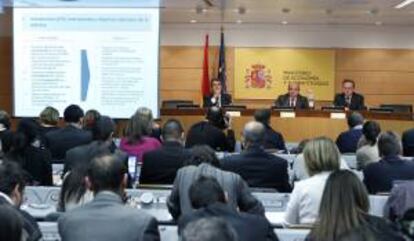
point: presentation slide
(99, 58)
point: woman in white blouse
(321, 158)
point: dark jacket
(62, 140)
(37, 162)
(377, 229)
(357, 101)
(379, 176)
(238, 192)
(205, 133)
(248, 227)
(273, 139)
(43, 131)
(259, 168)
(283, 101)
(160, 166)
(408, 142)
(347, 141)
(30, 226)
(225, 100)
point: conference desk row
(297, 125)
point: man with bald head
(257, 167)
(292, 99)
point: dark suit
(161, 166)
(379, 176)
(283, 101)
(62, 140)
(247, 226)
(31, 229)
(259, 168)
(106, 218)
(237, 190)
(204, 133)
(357, 101)
(408, 142)
(225, 99)
(273, 139)
(347, 141)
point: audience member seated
(380, 176)
(257, 167)
(89, 120)
(347, 141)
(299, 149)
(106, 217)
(407, 224)
(74, 192)
(218, 97)
(11, 224)
(138, 138)
(272, 139)
(12, 185)
(103, 130)
(408, 142)
(203, 161)
(48, 121)
(160, 166)
(35, 160)
(209, 200)
(348, 98)
(4, 130)
(368, 150)
(321, 158)
(343, 213)
(209, 229)
(61, 140)
(292, 99)
(210, 132)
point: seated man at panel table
(218, 97)
(62, 140)
(160, 166)
(347, 141)
(211, 132)
(107, 217)
(348, 98)
(292, 99)
(12, 185)
(204, 162)
(380, 176)
(272, 139)
(257, 167)
(209, 200)
(408, 142)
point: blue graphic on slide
(85, 75)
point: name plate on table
(338, 115)
(234, 113)
(287, 114)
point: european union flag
(222, 64)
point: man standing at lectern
(348, 98)
(217, 97)
(292, 99)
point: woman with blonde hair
(321, 158)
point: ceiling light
(239, 21)
(404, 4)
(378, 23)
(284, 22)
(193, 21)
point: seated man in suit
(347, 141)
(379, 176)
(210, 132)
(272, 139)
(209, 200)
(348, 98)
(106, 217)
(257, 167)
(160, 166)
(62, 140)
(204, 162)
(217, 97)
(408, 142)
(292, 99)
(12, 185)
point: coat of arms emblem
(258, 77)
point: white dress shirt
(303, 205)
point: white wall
(246, 35)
